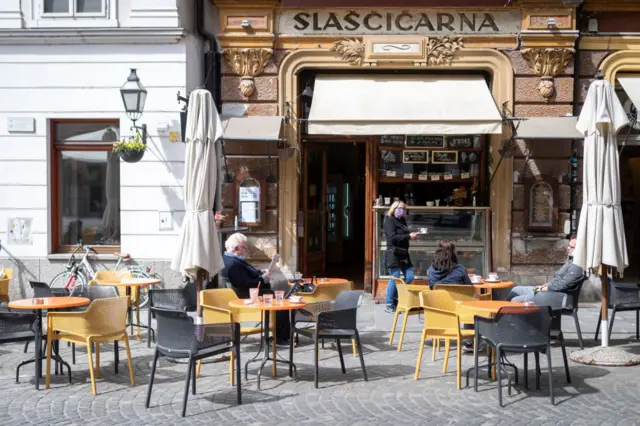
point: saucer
(487, 280)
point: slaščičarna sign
(398, 22)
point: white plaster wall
(83, 81)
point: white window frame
(106, 18)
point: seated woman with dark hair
(445, 268)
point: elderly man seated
(568, 277)
(243, 276)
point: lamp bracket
(142, 128)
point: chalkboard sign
(444, 157)
(460, 141)
(392, 140)
(424, 141)
(415, 157)
(388, 159)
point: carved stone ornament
(248, 63)
(547, 64)
(351, 51)
(439, 51)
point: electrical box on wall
(166, 221)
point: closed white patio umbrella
(601, 241)
(198, 247)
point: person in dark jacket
(397, 256)
(243, 276)
(568, 277)
(445, 268)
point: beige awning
(253, 128)
(402, 104)
(548, 128)
(631, 85)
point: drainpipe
(212, 67)
(573, 176)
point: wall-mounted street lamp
(134, 96)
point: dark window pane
(87, 132)
(89, 6)
(56, 6)
(89, 197)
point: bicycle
(78, 273)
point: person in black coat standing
(397, 256)
(243, 276)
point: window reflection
(89, 197)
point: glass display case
(467, 227)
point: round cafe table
(128, 284)
(500, 286)
(47, 303)
(268, 310)
(321, 281)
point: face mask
(399, 212)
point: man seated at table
(568, 277)
(243, 276)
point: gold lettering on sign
(547, 64)
(248, 63)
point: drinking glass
(268, 299)
(279, 296)
(253, 294)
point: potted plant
(130, 150)
(219, 218)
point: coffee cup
(476, 279)
(430, 203)
(493, 276)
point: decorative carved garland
(351, 51)
(440, 50)
(248, 63)
(547, 64)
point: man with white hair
(243, 277)
(238, 271)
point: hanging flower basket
(131, 150)
(131, 156)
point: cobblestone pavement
(597, 395)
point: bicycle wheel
(144, 291)
(69, 281)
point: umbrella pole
(200, 277)
(604, 328)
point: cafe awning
(547, 128)
(402, 104)
(253, 128)
(631, 85)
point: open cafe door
(314, 205)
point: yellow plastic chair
(103, 321)
(408, 304)
(113, 278)
(462, 292)
(441, 321)
(4, 285)
(325, 292)
(215, 309)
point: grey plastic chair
(556, 302)
(622, 297)
(336, 320)
(179, 337)
(571, 309)
(17, 327)
(519, 330)
(180, 299)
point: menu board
(425, 141)
(389, 158)
(460, 142)
(444, 157)
(415, 157)
(392, 140)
